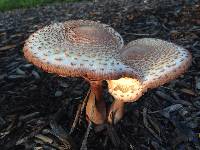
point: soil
(37, 109)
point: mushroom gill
(125, 88)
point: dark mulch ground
(165, 118)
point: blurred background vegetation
(13, 4)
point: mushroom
(96, 52)
(81, 48)
(157, 61)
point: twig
(79, 112)
(76, 119)
(85, 101)
(84, 143)
(60, 133)
(146, 124)
(144, 34)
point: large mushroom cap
(78, 48)
(158, 62)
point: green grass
(13, 4)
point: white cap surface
(78, 48)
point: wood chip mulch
(163, 119)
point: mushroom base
(96, 107)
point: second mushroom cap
(156, 60)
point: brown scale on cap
(158, 61)
(90, 49)
(88, 35)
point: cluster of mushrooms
(96, 52)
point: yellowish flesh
(126, 89)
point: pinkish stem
(96, 107)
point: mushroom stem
(96, 107)
(116, 111)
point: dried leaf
(166, 111)
(165, 96)
(44, 138)
(58, 93)
(7, 47)
(154, 124)
(146, 124)
(188, 91)
(35, 74)
(29, 116)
